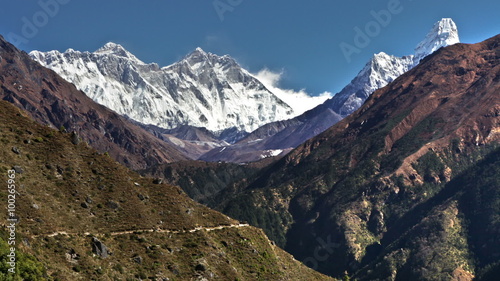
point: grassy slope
(71, 188)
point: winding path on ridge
(149, 230)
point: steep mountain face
(383, 69)
(201, 90)
(53, 101)
(444, 33)
(377, 73)
(82, 216)
(392, 191)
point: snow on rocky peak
(378, 72)
(201, 90)
(111, 48)
(383, 68)
(444, 33)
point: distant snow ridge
(378, 72)
(201, 90)
(383, 68)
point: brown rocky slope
(381, 186)
(51, 100)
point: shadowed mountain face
(379, 194)
(51, 100)
(277, 138)
(82, 216)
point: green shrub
(27, 267)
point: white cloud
(300, 101)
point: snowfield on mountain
(201, 90)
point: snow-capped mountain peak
(201, 90)
(200, 51)
(199, 58)
(111, 47)
(444, 33)
(383, 68)
(115, 49)
(198, 54)
(381, 55)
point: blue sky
(301, 39)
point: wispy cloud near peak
(300, 101)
